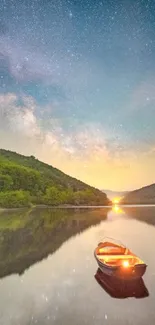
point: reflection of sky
(77, 85)
(56, 290)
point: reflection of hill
(29, 236)
(145, 214)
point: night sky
(77, 87)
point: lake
(47, 266)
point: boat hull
(131, 273)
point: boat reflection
(118, 289)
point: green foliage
(53, 196)
(26, 180)
(21, 177)
(14, 199)
(6, 182)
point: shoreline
(42, 206)
(65, 206)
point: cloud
(88, 144)
(22, 130)
(26, 63)
(84, 152)
(88, 140)
(18, 117)
(22, 79)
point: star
(87, 66)
(70, 14)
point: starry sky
(77, 87)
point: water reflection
(59, 244)
(121, 290)
(117, 209)
(143, 213)
(29, 236)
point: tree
(6, 182)
(52, 196)
(14, 199)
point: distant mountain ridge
(144, 195)
(113, 194)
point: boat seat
(116, 260)
(114, 257)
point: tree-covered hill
(144, 195)
(26, 180)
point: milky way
(77, 86)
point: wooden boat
(116, 260)
(117, 288)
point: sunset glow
(116, 200)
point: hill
(144, 195)
(26, 180)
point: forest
(26, 181)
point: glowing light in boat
(125, 263)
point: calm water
(47, 267)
